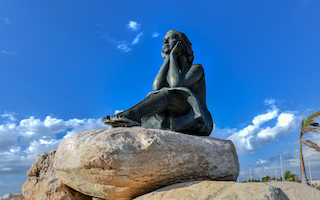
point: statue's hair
(187, 51)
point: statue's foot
(119, 121)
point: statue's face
(169, 41)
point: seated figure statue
(178, 102)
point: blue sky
(64, 65)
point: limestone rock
(216, 190)
(297, 191)
(123, 163)
(44, 184)
(17, 196)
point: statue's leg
(160, 102)
(155, 103)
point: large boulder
(123, 163)
(44, 184)
(216, 190)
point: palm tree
(307, 125)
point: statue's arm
(161, 81)
(174, 76)
(195, 73)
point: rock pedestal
(123, 163)
(222, 190)
(216, 190)
(43, 182)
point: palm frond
(309, 124)
(310, 144)
(315, 124)
(311, 118)
(307, 129)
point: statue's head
(178, 36)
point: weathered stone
(43, 182)
(297, 191)
(216, 190)
(123, 163)
(17, 196)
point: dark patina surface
(178, 102)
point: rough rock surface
(216, 190)
(44, 184)
(297, 191)
(123, 163)
(17, 196)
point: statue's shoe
(119, 121)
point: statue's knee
(164, 94)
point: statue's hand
(177, 49)
(165, 56)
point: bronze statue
(178, 102)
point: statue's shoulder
(197, 66)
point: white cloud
(31, 129)
(39, 135)
(22, 141)
(248, 139)
(261, 119)
(118, 111)
(222, 133)
(253, 136)
(137, 38)
(10, 116)
(290, 161)
(155, 34)
(261, 161)
(84, 125)
(9, 53)
(271, 114)
(6, 20)
(270, 102)
(134, 26)
(123, 46)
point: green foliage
(309, 124)
(250, 181)
(266, 178)
(288, 176)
